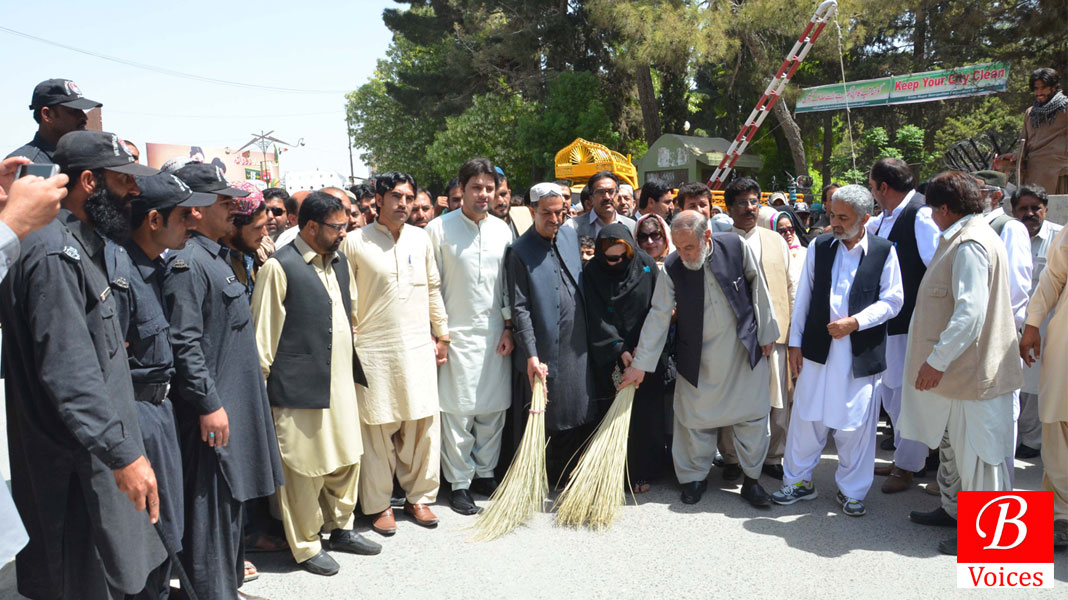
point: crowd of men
(178, 348)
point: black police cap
(207, 178)
(79, 151)
(60, 91)
(164, 190)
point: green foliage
(489, 128)
(573, 108)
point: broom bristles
(526, 484)
(595, 494)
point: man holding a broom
(726, 327)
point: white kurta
(399, 304)
(927, 236)
(476, 379)
(925, 415)
(829, 393)
(729, 391)
(1049, 297)
(1018, 250)
(1040, 246)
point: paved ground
(659, 548)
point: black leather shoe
(935, 518)
(321, 564)
(717, 461)
(461, 502)
(347, 540)
(888, 444)
(732, 472)
(773, 471)
(692, 492)
(948, 546)
(1060, 534)
(755, 493)
(1023, 451)
(484, 486)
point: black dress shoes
(484, 486)
(732, 472)
(755, 493)
(692, 492)
(888, 443)
(773, 471)
(346, 540)
(461, 502)
(948, 546)
(321, 564)
(935, 518)
(1024, 452)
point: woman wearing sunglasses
(787, 228)
(618, 288)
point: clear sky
(307, 44)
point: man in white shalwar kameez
(402, 333)
(906, 222)
(474, 385)
(725, 328)
(1029, 205)
(962, 364)
(850, 287)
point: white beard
(699, 263)
(849, 234)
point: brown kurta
(1045, 153)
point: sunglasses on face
(276, 210)
(789, 230)
(612, 258)
(338, 227)
(652, 237)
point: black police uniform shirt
(71, 413)
(217, 365)
(38, 150)
(138, 285)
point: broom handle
(183, 577)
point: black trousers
(213, 549)
(647, 449)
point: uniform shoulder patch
(179, 265)
(121, 283)
(72, 253)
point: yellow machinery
(580, 160)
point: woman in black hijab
(618, 287)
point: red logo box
(1005, 539)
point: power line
(166, 71)
(169, 115)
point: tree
(489, 128)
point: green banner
(973, 80)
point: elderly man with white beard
(850, 287)
(725, 327)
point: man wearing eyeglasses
(311, 385)
(603, 188)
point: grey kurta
(729, 391)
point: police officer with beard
(78, 469)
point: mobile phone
(38, 169)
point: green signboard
(973, 80)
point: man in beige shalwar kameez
(310, 367)
(399, 307)
(1053, 381)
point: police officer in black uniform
(79, 474)
(225, 429)
(59, 108)
(161, 218)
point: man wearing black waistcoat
(302, 310)
(725, 330)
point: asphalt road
(659, 548)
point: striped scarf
(1044, 114)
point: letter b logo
(1005, 504)
(1004, 527)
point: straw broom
(523, 491)
(595, 495)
